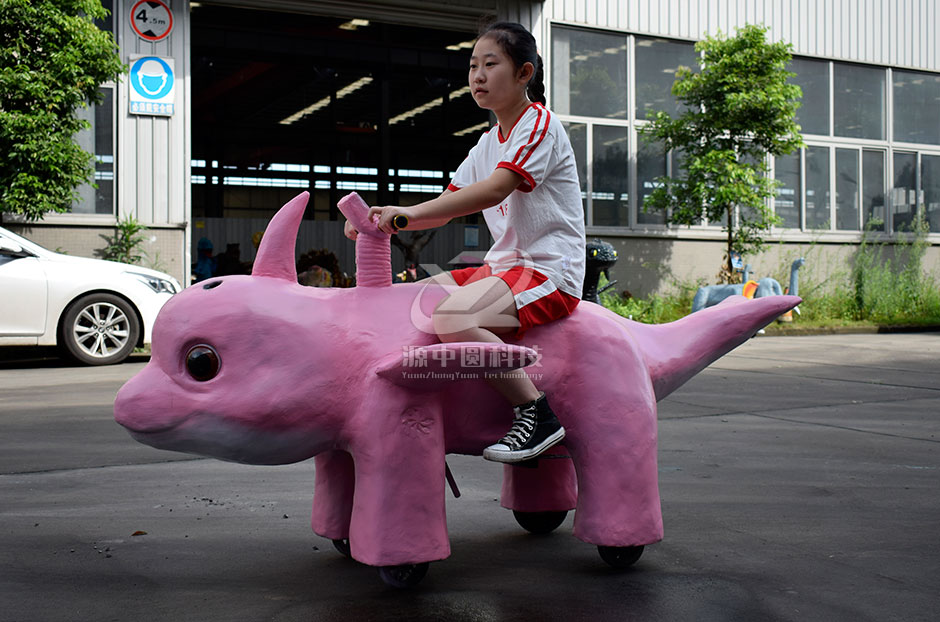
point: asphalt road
(800, 479)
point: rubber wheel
(540, 522)
(620, 556)
(405, 576)
(342, 546)
(99, 329)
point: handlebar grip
(400, 221)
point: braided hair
(519, 44)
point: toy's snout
(143, 403)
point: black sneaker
(534, 430)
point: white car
(97, 311)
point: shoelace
(521, 430)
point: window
(650, 164)
(916, 107)
(859, 184)
(107, 24)
(609, 194)
(589, 73)
(787, 202)
(848, 178)
(847, 189)
(104, 154)
(817, 188)
(99, 140)
(812, 76)
(859, 101)
(748, 213)
(577, 134)
(873, 189)
(589, 79)
(656, 64)
(904, 191)
(930, 180)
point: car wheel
(99, 329)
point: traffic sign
(152, 86)
(151, 20)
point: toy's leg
(398, 511)
(333, 494)
(551, 486)
(618, 487)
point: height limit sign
(152, 20)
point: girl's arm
(430, 223)
(469, 200)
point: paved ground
(800, 480)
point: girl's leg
(482, 311)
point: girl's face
(495, 82)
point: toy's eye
(594, 252)
(203, 362)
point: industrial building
(231, 107)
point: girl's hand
(385, 216)
(350, 231)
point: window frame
(631, 122)
(886, 146)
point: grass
(655, 309)
(883, 286)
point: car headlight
(157, 284)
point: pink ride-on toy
(261, 370)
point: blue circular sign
(152, 77)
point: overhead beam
(463, 15)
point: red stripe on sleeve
(526, 186)
(531, 136)
(453, 188)
(548, 118)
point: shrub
(883, 284)
(124, 246)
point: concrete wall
(647, 265)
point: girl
(522, 175)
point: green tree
(740, 107)
(52, 59)
(125, 245)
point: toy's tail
(677, 351)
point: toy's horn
(276, 253)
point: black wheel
(407, 575)
(99, 329)
(342, 546)
(620, 556)
(540, 522)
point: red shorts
(537, 299)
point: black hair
(519, 44)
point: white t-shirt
(540, 223)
